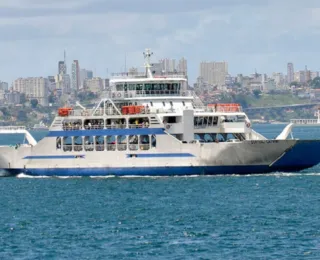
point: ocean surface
(274, 216)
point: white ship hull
(171, 159)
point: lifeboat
(65, 111)
(131, 110)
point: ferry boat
(152, 125)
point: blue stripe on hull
(102, 132)
(159, 155)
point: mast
(147, 54)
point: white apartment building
(214, 73)
(94, 85)
(33, 88)
(183, 66)
(168, 65)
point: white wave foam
(22, 175)
(102, 177)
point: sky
(249, 34)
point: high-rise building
(4, 86)
(89, 74)
(75, 75)
(183, 66)
(214, 73)
(63, 83)
(168, 65)
(62, 68)
(33, 88)
(290, 72)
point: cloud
(248, 34)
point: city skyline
(100, 35)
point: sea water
(273, 216)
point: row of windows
(76, 124)
(148, 87)
(106, 143)
(205, 121)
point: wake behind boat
(152, 125)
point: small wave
(22, 175)
(102, 177)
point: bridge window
(77, 143)
(88, 143)
(99, 143)
(144, 142)
(119, 87)
(139, 87)
(132, 86)
(67, 144)
(121, 142)
(111, 143)
(133, 142)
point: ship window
(147, 87)
(93, 124)
(144, 142)
(72, 124)
(208, 138)
(58, 143)
(139, 87)
(88, 143)
(215, 120)
(77, 143)
(99, 143)
(133, 142)
(119, 87)
(121, 142)
(116, 123)
(132, 86)
(111, 143)
(171, 119)
(139, 122)
(156, 87)
(67, 144)
(153, 141)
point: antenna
(147, 54)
